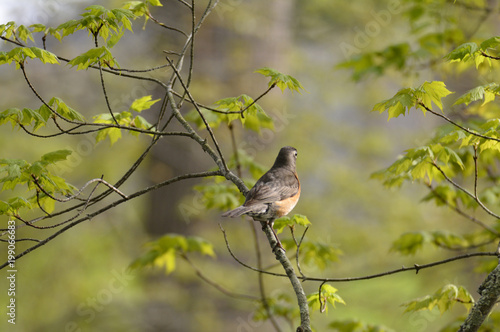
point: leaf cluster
(243, 108)
(165, 251)
(443, 299)
(32, 176)
(411, 242)
(318, 301)
(125, 119)
(471, 51)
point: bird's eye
(295, 154)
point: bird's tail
(241, 210)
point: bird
(275, 194)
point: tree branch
(457, 125)
(462, 213)
(305, 324)
(490, 294)
(415, 267)
(214, 284)
(112, 205)
(475, 197)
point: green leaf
(155, 3)
(200, 245)
(492, 42)
(93, 56)
(314, 253)
(20, 54)
(17, 203)
(254, 117)
(164, 251)
(487, 91)
(143, 103)
(398, 105)
(44, 56)
(219, 196)
(410, 243)
(140, 122)
(403, 100)
(282, 81)
(432, 92)
(24, 33)
(297, 219)
(377, 62)
(463, 52)
(12, 168)
(328, 295)
(278, 304)
(64, 110)
(55, 156)
(444, 299)
(247, 162)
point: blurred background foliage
(80, 281)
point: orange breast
(285, 206)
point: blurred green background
(80, 281)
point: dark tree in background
(135, 124)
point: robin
(275, 194)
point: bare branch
(205, 122)
(462, 213)
(216, 285)
(110, 186)
(166, 26)
(263, 297)
(476, 198)
(457, 125)
(415, 267)
(490, 293)
(112, 205)
(486, 55)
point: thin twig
(476, 198)
(138, 70)
(163, 25)
(322, 305)
(462, 213)
(415, 267)
(263, 297)
(486, 55)
(216, 285)
(241, 262)
(68, 198)
(105, 94)
(235, 150)
(298, 244)
(205, 122)
(475, 169)
(457, 125)
(112, 205)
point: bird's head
(286, 158)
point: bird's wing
(275, 185)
